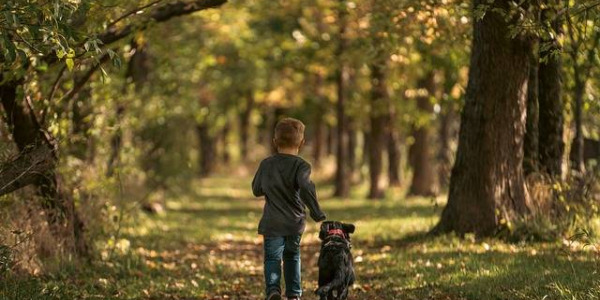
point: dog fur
(336, 271)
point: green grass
(206, 247)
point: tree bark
(447, 117)
(318, 140)
(330, 140)
(342, 180)
(394, 157)
(551, 120)
(32, 141)
(245, 125)
(225, 143)
(278, 114)
(352, 142)
(577, 147)
(531, 147)
(207, 149)
(378, 115)
(487, 188)
(425, 178)
(318, 136)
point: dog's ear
(348, 228)
(323, 231)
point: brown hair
(289, 132)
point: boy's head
(289, 134)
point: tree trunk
(81, 143)
(318, 140)
(352, 142)
(30, 139)
(531, 147)
(330, 140)
(137, 73)
(245, 125)
(225, 143)
(394, 158)
(318, 136)
(445, 136)
(342, 180)
(487, 188)
(577, 147)
(378, 116)
(207, 149)
(278, 114)
(425, 177)
(115, 142)
(551, 120)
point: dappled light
(300, 149)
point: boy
(284, 180)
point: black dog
(336, 273)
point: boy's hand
(321, 218)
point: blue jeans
(288, 248)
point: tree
(487, 188)
(29, 32)
(342, 179)
(378, 116)
(424, 182)
(551, 119)
(582, 67)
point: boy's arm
(308, 193)
(257, 183)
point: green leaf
(60, 54)
(71, 53)
(70, 63)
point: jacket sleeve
(257, 183)
(308, 193)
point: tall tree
(378, 117)
(531, 146)
(342, 179)
(394, 152)
(245, 124)
(487, 188)
(551, 119)
(424, 182)
(581, 70)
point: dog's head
(329, 228)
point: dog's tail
(338, 280)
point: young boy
(284, 180)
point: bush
(559, 209)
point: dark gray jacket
(284, 180)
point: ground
(205, 247)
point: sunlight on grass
(206, 247)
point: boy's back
(284, 180)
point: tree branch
(581, 9)
(160, 14)
(81, 81)
(26, 168)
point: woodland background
(462, 138)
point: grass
(206, 247)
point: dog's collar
(336, 231)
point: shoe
(275, 295)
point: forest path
(206, 247)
